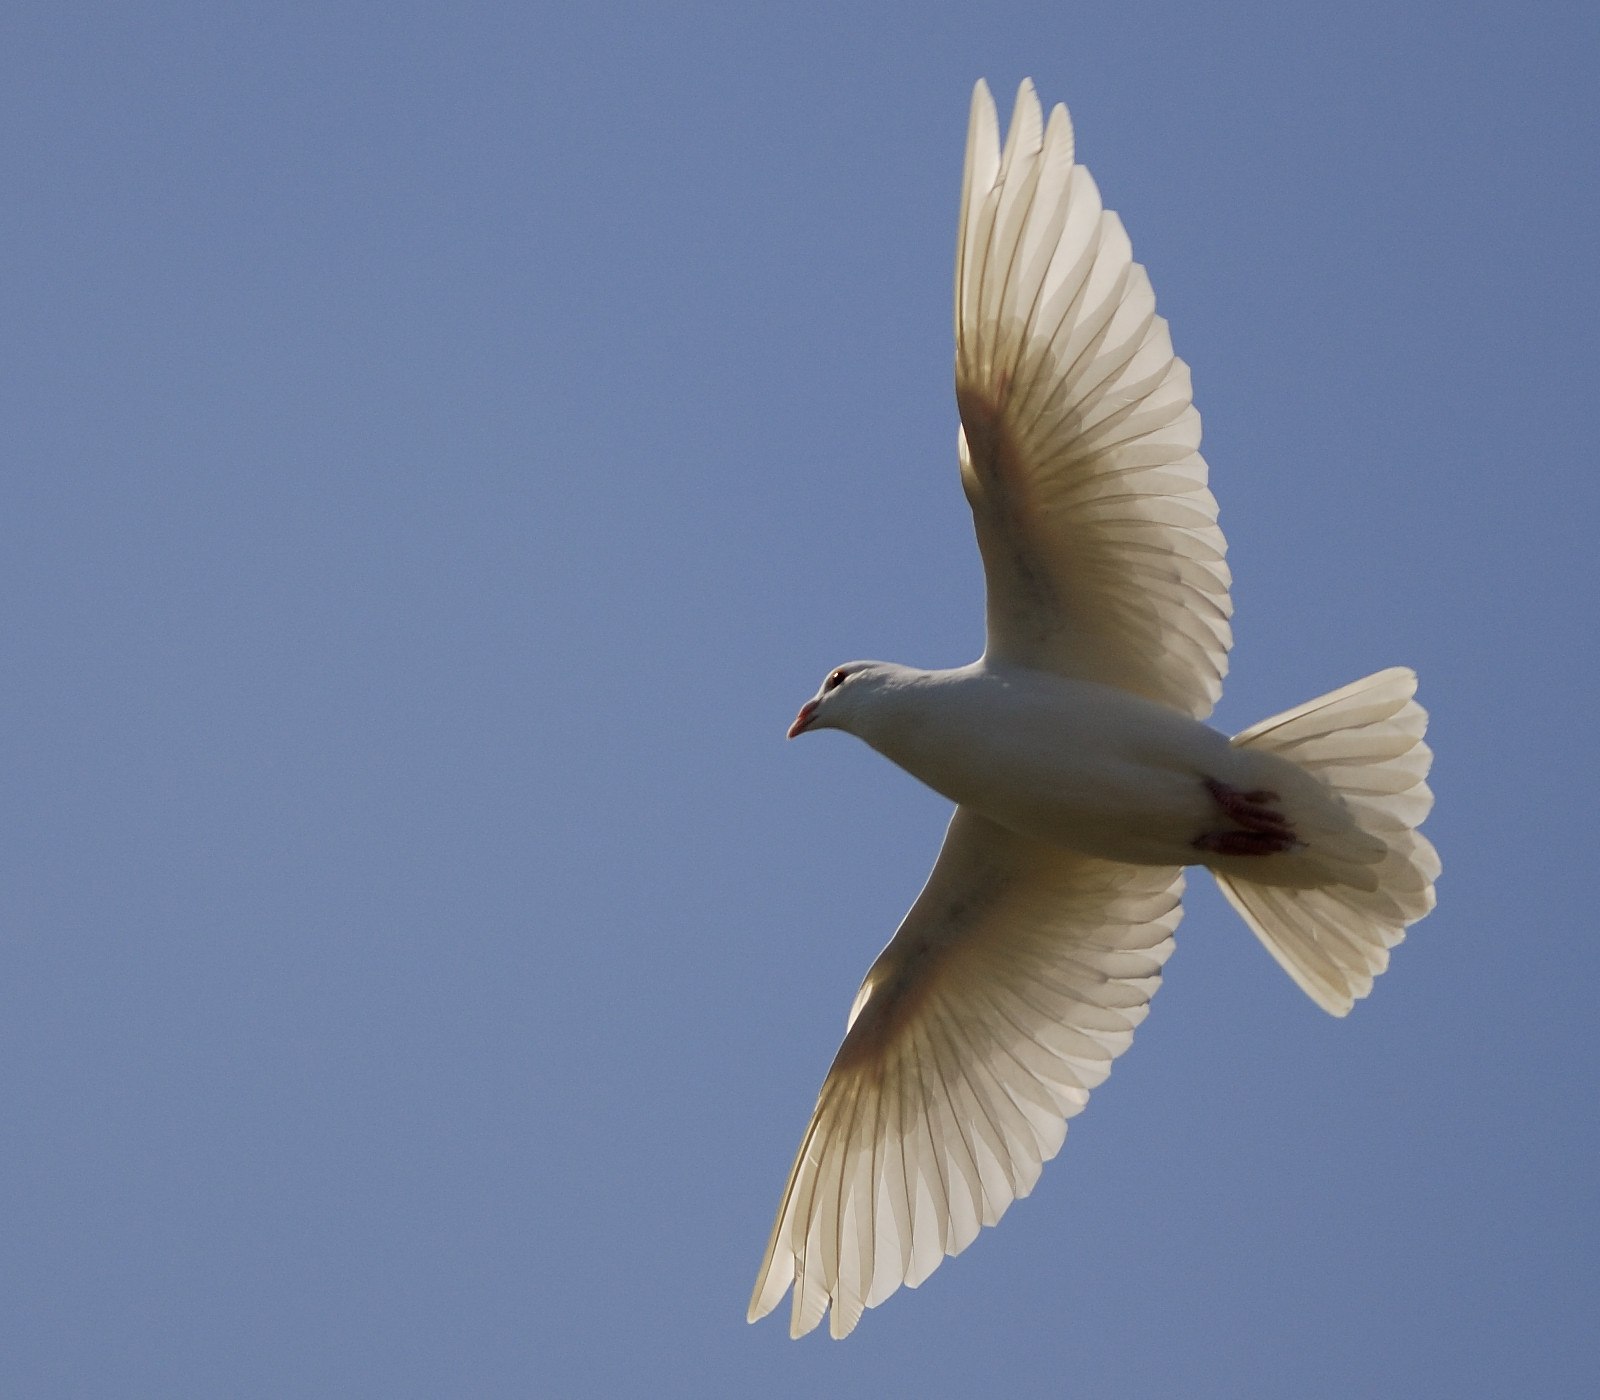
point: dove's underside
(1031, 955)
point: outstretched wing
(1016, 978)
(1079, 444)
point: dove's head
(848, 693)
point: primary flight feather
(1075, 749)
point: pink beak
(802, 719)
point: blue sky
(446, 443)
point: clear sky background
(445, 443)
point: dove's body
(1069, 762)
(1091, 769)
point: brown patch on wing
(903, 979)
(998, 492)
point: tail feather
(1364, 743)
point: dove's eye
(835, 679)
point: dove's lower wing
(1017, 977)
(1079, 446)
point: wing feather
(1079, 444)
(1019, 974)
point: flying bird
(1076, 751)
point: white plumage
(1084, 777)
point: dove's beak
(802, 719)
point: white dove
(1075, 749)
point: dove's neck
(902, 702)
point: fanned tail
(1364, 742)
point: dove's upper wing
(1016, 978)
(1079, 443)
